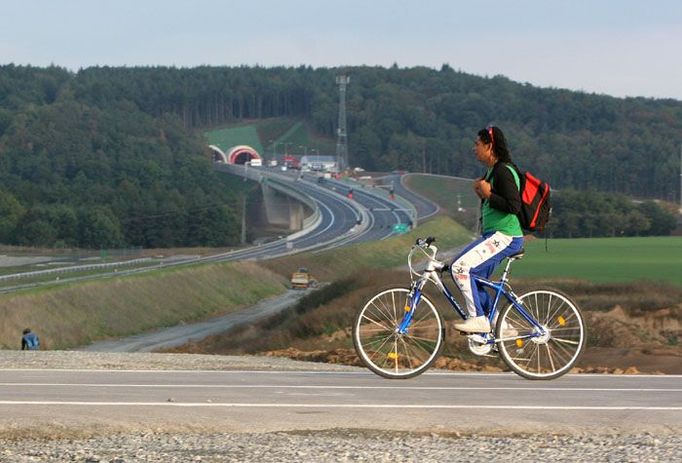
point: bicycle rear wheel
(541, 356)
(389, 353)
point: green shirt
(497, 220)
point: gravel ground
(149, 361)
(341, 445)
(344, 446)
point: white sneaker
(474, 325)
(507, 330)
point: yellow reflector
(519, 343)
(407, 308)
(562, 320)
(392, 355)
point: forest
(112, 156)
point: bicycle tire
(551, 355)
(388, 353)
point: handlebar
(424, 245)
(425, 242)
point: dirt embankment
(640, 332)
(618, 343)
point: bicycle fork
(413, 298)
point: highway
(243, 401)
(383, 213)
(368, 217)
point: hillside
(422, 119)
(109, 157)
(74, 174)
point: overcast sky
(620, 48)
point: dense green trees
(106, 156)
(421, 119)
(577, 214)
(77, 174)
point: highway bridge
(335, 220)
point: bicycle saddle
(518, 255)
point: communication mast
(342, 141)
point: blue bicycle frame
(499, 288)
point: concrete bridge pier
(282, 210)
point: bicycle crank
(479, 345)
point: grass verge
(366, 257)
(77, 314)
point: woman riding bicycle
(502, 235)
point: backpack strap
(515, 173)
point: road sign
(401, 228)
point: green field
(455, 196)
(595, 259)
(449, 193)
(605, 259)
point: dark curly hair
(494, 135)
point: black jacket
(505, 194)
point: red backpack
(535, 206)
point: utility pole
(680, 178)
(342, 141)
(243, 237)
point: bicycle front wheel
(389, 353)
(547, 353)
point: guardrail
(284, 184)
(75, 268)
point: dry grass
(75, 315)
(322, 323)
(70, 316)
(331, 309)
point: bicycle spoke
(378, 350)
(391, 354)
(378, 323)
(537, 352)
(407, 356)
(549, 356)
(384, 311)
(567, 341)
(419, 345)
(555, 312)
(542, 354)
(393, 303)
(563, 354)
(423, 317)
(421, 338)
(378, 340)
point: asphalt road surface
(248, 401)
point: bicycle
(399, 334)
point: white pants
(480, 258)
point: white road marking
(326, 373)
(285, 405)
(408, 388)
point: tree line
(111, 156)
(590, 214)
(424, 120)
(77, 174)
